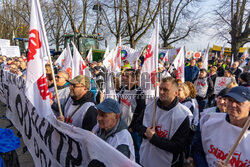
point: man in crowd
(204, 88)
(215, 140)
(99, 77)
(191, 71)
(164, 145)
(63, 90)
(236, 70)
(112, 128)
(132, 104)
(80, 108)
(220, 68)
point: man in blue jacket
(191, 71)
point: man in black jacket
(164, 145)
(236, 71)
(79, 109)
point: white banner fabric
(51, 142)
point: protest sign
(4, 42)
(51, 142)
(221, 83)
(10, 51)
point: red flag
(38, 53)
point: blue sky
(201, 41)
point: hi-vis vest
(120, 138)
(167, 123)
(78, 117)
(128, 104)
(219, 136)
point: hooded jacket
(81, 113)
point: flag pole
(50, 62)
(156, 79)
(156, 71)
(244, 129)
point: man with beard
(80, 108)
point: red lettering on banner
(160, 132)
(43, 87)
(149, 52)
(111, 63)
(179, 70)
(152, 77)
(69, 70)
(235, 160)
(125, 101)
(119, 51)
(201, 83)
(63, 62)
(82, 67)
(69, 121)
(223, 82)
(34, 43)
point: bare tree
(56, 23)
(141, 15)
(114, 17)
(177, 20)
(73, 10)
(14, 18)
(233, 23)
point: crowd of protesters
(191, 121)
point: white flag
(117, 58)
(109, 87)
(108, 61)
(165, 57)
(36, 84)
(90, 56)
(65, 60)
(79, 64)
(232, 60)
(205, 58)
(179, 64)
(148, 71)
(244, 55)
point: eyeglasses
(57, 76)
(74, 86)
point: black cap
(223, 92)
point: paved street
(25, 159)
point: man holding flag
(80, 108)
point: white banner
(4, 42)
(10, 51)
(51, 142)
(221, 83)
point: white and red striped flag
(79, 64)
(90, 56)
(179, 63)
(65, 60)
(36, 84)
(150, 62)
